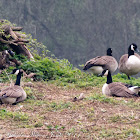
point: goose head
(132, 48)
(109, 77)
(17, 71)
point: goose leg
(128, 77)
(102, 74)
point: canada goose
(119, 89)
(130, 63)
(100, 64)
(14, 93)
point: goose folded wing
(120, 90)
(11, 92)
(97, 61)
(127, 85)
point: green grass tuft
(16, 116)
(102, 98)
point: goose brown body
(105, 62)
(119, 89)
(13, 94)
(134, 67)
(101, 63)
(130, 63)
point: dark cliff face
(77, 30)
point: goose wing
(13, 92)
(127, 85)
(120, 90)
(98, 61)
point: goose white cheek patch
(132, 47)
(17, 72)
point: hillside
(53, 109)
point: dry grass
(50, 113)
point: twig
(9, 78)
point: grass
(16, 116)
(50, 109)
(102, 98)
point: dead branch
(20, 35)
(21, 40)
(16, 28)
(15, 61)
(8, 30)
(29, 75)
(6, 61)
(7, 42)
(15, 41)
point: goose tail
(135, 89)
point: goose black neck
(109, 78)
(18, 79)
(109, 53)
(130, 52)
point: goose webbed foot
(14, 104)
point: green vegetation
(102, 98)
(16, 116)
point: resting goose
(100, 64)
(119, 89)
(130, 63)
(13, 94)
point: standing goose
(119, 89)
(14, 93)
(100, 64)
(130, 63)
